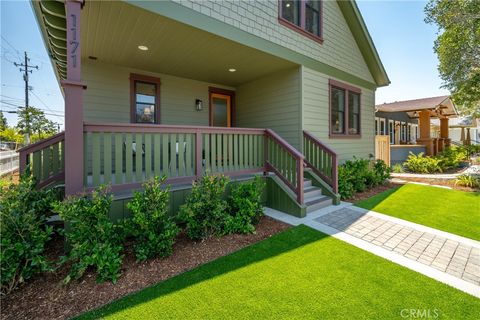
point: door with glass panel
(220, 110)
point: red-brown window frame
(301, 29)
(134, 78)
(348, 88)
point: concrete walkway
(472, 170)
(446, 257)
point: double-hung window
(144, 99)
(344, 110)
(304, 16)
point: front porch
(124, 156)
(176, 101)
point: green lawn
(444, 209)
(298, 274)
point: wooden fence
(382, 148)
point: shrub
(345, 185)
(381, 172)
(420, 164)
(358, 169)
(245, 207)
(93, 239)
(23, 213)
(357, 175)
(466, 180)
(397, 168)
(451, 157)
(153, 229)
(205, 210)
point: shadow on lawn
(374, 201)
(288, 240)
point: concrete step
(307, 183)
(318, 202)
(311, 191)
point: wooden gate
(382, 148)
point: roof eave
(364, 41)
(38, 14)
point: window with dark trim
(344, 110)
(304, 16)
(144, 99)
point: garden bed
(373, 191)
(44, 297)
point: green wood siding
(107, 98)
(315, 96)
(261, 19)
(272, 102)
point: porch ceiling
(112, 32)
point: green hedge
(358, 175)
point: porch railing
(321, 159)
(126, 155)
(285, 161)
(45, 159)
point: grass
(453, 211)
(297, 274)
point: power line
(14, 106)
(11, 46)
(44, 104)
(12, 98)
(26, 69)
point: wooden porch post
(73, 89)
(424, 124)
(444, 133)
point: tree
(458, 49)
(11, 135)
(39, 126)
(3, 121)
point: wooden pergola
(441, 108)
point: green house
(285, 89)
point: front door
(220, 110)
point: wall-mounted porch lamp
(198, 105)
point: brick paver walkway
(458, 259)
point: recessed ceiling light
(143, 48)
(232, 70)
(288, 5)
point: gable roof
(364, 41)
(440, 106)
(412, 105)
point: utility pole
(26, 70)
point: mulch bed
(373, 191)
(46, 298)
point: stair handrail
(299, 159)
(333, 181)
(37, 146)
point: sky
(403, 40)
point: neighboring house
(400, 128)
(175, 81)
(464, 130)
(408, 126)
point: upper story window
(304, 16)
(344, 110)
(144, 99)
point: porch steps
(313, 197)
